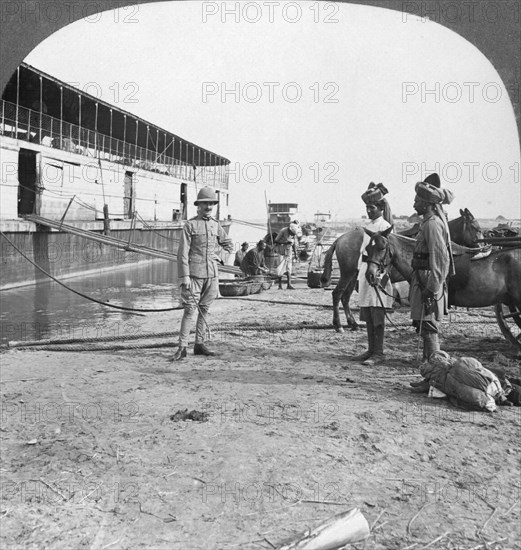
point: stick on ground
(415, 516)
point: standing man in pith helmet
(197, 271)
(432, 262)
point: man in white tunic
(372, 307)
(286, 245)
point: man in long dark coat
(432, 263)
(253, 262)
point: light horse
(464, 230)
(494, 279)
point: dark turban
(434, 195)
(374, 193)
(433, 179)
(431, 192)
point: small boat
(234, 288)
(259, 283)
(255, 288)
(254, 284)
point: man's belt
(420, 260)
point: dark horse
(464, 230)
(494, 279)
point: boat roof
(63, 101)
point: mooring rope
(81, 293)
(96, 344)
(170, 344)
(287, 303)
(250, 224)
(98, 339)
(225, 327)
(101, 347)
(150, 228)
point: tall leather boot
(378, 350)
(426, 347)
(434, 342)
(370, 344)
(379, 339)
(431, 343)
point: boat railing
(39, 128)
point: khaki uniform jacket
(431, 264)
(198, 247)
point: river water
(48, 310)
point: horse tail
(325, 278)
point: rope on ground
(491, 320)
(81, 293)
(223, 327)
(96, 344)
(92, 344)
(288, 303)
(101, 347)
(123, 337)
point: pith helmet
(206, 194)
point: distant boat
(322, 218)
(281, 214)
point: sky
(310, 101)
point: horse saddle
(480, 253)
(502, 231)
(473, 254)
(462, 257)
(411, 232)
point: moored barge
(70, 157)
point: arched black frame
(493, 26)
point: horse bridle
(473, 229)
(382, 266)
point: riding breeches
(200, 296)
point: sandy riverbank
(295, 434)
